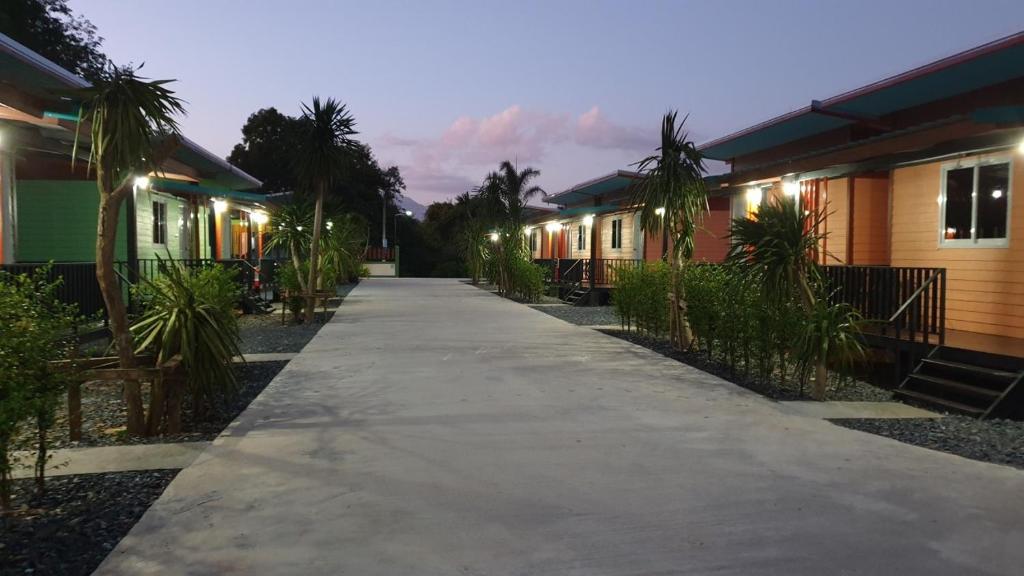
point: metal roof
(602, 185)
(986, 65)
(31, 73)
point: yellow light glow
(1020, 147)
(754, 196)
(660, 211)
(527, 230)
(494, 236)
(220, 205)
(588, 220)
(552, 226)
(260, 218)
(142, 182)
(791, 188)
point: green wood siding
(57, 221)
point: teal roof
(986, 65)
(617, 181)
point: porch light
(330, 224)
(260, 218)
(791, 188)
(141, 182)
(526, 230)
(494, 236)
(588, 220)
(220, 205)
(997, 194)
(552, 226)
(1020, 147)
(660, 211)
(299, 228)
(754, 195)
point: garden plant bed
(104, 413)
(264, 333)
(581, 315)
(79, 520)
(856, 390)
(995, 441)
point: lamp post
(397, 214)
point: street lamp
(397, 214)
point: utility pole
(384, 219)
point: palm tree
(133, 130)
(342, 243)
(673, 200)
(293, 230)
(776, 248)
(505, 195)
(323, 148)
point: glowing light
(754, 195)
(330, 224)
(299, 228)
(142, 182)
(1020, 147)
(660, 211)
(527, 230)
(408, 212)
(588, 220)
(552, 226)
(997, 194)
(494, 236)
(220, 205)
(791, 188)
(260, 218)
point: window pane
(993, 194)
(959, 185)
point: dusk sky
(446, 90)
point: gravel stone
(79, 520)
(582, 315)
(995, 441)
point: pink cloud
(593, 129)
(511, 133)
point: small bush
(640, 297)
(526, 280)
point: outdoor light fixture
(220, 205)
(754, 195)
(660, 211)
(1020, 147)
(494, 236)
(588, 220)
(791, 188)
(299, 228)
(142, 182)
(552, 226)
(408, 212)
(330, 224)
(260, 218)
(997, 194)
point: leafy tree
(323, 144)
(673, 200)
(268, 142)
(49, 28)
(132, 131)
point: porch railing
(906, 302)
(603, 271)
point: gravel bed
(104, 414)
(264, 333)
(79, 520)
(995, 441)
(582, 315)
(848, 391)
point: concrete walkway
(96, 459)
(433, 428)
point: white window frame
(975, 163)
(616, 234)
(159, 224)
(581, 237)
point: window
(617, 233)
(975, 204)
(159, 223)
(533, 240)
(581, 237)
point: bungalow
(197, 207)
(920, 177)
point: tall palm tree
(323, 147)
(505, 195)
(673, 200)
(132, 131)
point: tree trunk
(41, 458)
(314, 254)
(297, 262)
(820, 386)
(682, 336)
(106, 242)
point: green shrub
(191, 313)
(640, 297)
(526, 280)
(288, 281)
(35, 328)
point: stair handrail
(939, 273)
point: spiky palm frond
(129, 120)
(670, 193)
(324, 141)
(291, 225)
(777, 245)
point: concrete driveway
(433, 428)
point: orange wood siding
(870, 221)
(985, 290)
(837, 211)
(711, 242)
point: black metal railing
(903, 300)
(79, 284)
